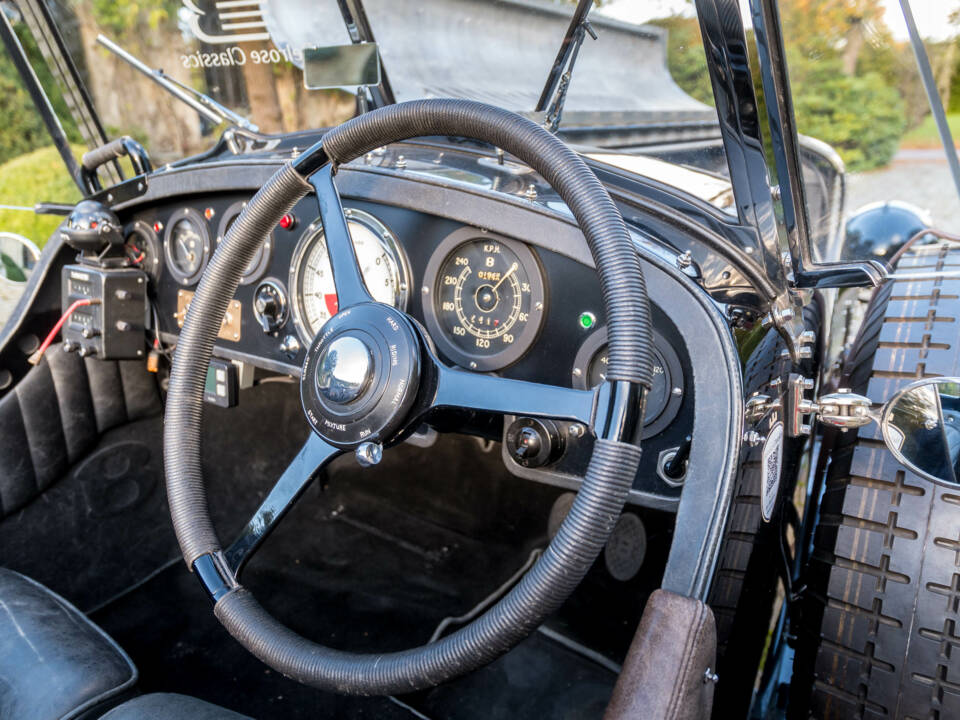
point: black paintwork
(747, 138)
(343, 258)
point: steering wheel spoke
(312, 457)
(489, 393)
(351, 289)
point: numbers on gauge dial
(380, 270)
(485, 297)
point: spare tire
(880, 627)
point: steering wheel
(371, 376)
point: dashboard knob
(290, 346)
(270, 306)
(533, 443)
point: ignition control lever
(676, 467)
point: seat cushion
(54, 663)
(54, 415)
(164, 706)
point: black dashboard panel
(422, 211)
(571, 292)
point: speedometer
(486, 299)
(382, 265)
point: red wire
(35, 358)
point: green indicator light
(587, 320)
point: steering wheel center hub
(361, 375)
(344, 369)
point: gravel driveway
(919, 177)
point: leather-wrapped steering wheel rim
(616, 413)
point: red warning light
(209, 213)
(288, 222)
(158, 227)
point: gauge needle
(509, 272)
(185, 249)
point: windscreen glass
(639, 86)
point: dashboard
(487, 258)
(490, 302)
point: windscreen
(638, 85)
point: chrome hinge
(842, 409)
(756, 407)
(845, 410)
(787, 317)
(797, 407)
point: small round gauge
(187, 245)
(142, 248)
(382, 265)
(258, 265)
(484, 299)
(666, 394)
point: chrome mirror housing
(921, 427)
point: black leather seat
(54, 663)
(166, 706)
(57, 665)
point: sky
(931, 15)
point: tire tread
(880, 635)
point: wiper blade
(204, 105)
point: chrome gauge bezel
(264, 253)
(666, 355)
(314, 233)
(538, 308)
(200, 225)
(145, 231)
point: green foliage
(861, 116)
(685, 57)
(21, 127)
(35, 177)
(926, 135)
(124, 19)
(11, 271)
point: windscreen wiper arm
(204, 105)
(554, 93)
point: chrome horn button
(344, 369)
(361, 375)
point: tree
(685, 56)
(21, 127)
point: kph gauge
(487, 299)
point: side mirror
(18, 256)
(921, 427)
